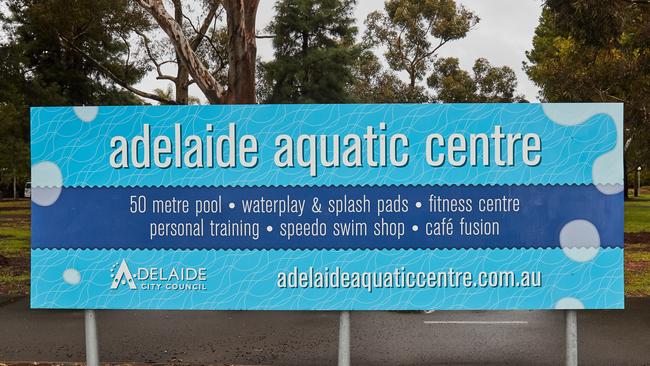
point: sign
(328, 207)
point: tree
(241, 47)
(593, 51)
(169, 94)
(219, 60)
(412, 31)
(487, 84)
(14, 132)
(373, 84)
(315, 50)
(14, 149)
(46, 33)
(207, 40)
(38, 69)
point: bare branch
(196, 41)
(199, 72)
(435, 49)
(106, 71)
(201, 32)
(161, 75)
(128, 48)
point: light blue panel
(248, 279)
(77, 141)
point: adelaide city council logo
(123, 276)
(158, 278)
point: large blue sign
(328, 207)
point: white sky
(503, 35)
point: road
(310, 338)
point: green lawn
(637, 269)
(14, 247)
(637, 245)
(637, 214)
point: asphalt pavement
(310, 338)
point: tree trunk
(182, 85)
(305, 49)
(625, 181)
(15, 190)
(181, 91)
(412, 81)
(242, 50)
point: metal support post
(571, 319)
(344, 339)
(92, 350)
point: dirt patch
(638, 238)
(14, 288)
(14, 265)
(14, 220)
(639, 266)
(14, 268)
(13, 208)
(19, 263)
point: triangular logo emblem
(123, 277)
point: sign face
(328, 207)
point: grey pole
(571, 318)
(92, 351)
(344, 339)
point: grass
(20, 277)
(637, 244)
(637, 214)
(14, 212)
(14, 246)
(637, 269)
(10, 204)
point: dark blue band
(100, 217)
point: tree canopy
(373, 84)
(487, 83)
(412, 32)
(314, 42)
(43, 33)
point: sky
(502, 36)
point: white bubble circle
(608, 189)
(569, 303)
(71, 276)
(86, 114)
(46, 183)
(580, 240)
